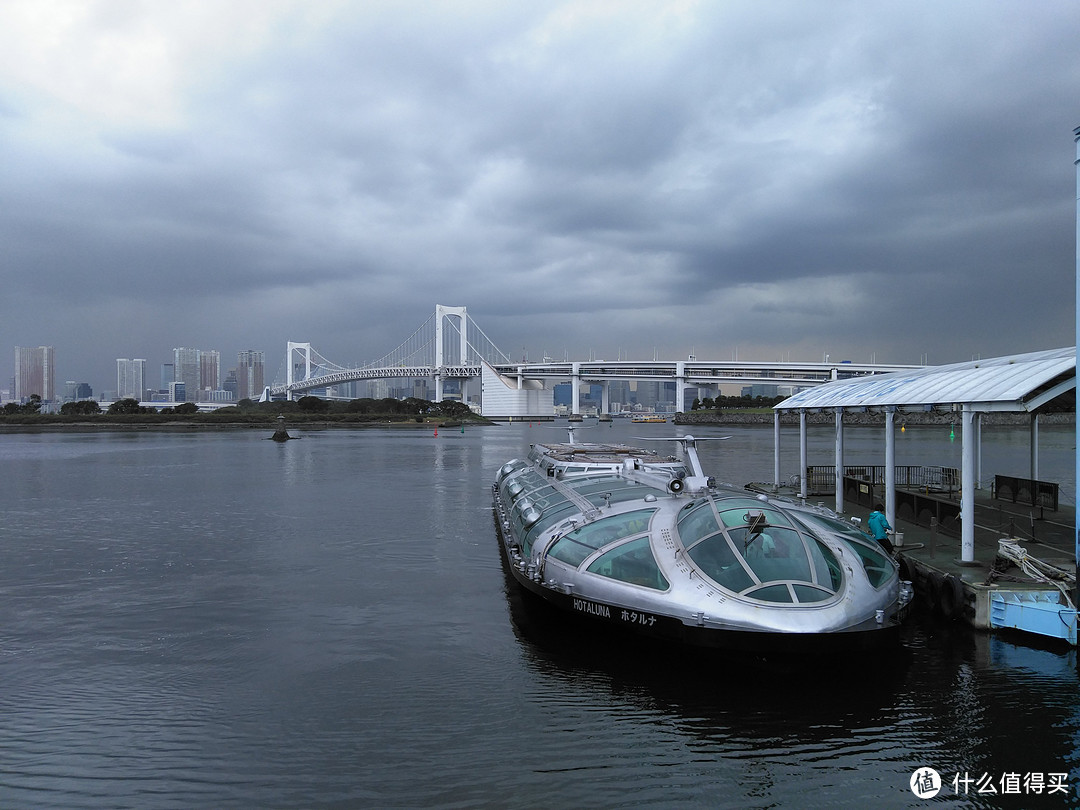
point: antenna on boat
(570, 429)
(689, 445)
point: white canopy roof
(1020, 382)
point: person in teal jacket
(880, 528)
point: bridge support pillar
(575, 389)
(441, 314)
(605, 396)
(290, 376)
(680, 387)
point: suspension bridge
(449, 345)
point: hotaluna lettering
(593, 608)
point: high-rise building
(75, 391)
(168, 376)
(186, 369)
(230, 384)
(209, 370)
(250, 374)
(130, 378)
(35, 373)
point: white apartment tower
(130, 378)
(187, 369)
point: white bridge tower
(442, 313)
(290, 364)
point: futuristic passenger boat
(631, 540)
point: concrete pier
(989, 593)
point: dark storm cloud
(781, 180)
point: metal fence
(821, 479)
(1027, 491)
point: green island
(307, 411)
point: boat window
(879, 569)
(739, 514)
(718, 561)
(697, 523)
(826, 566)
(774, 553)
(877, 566)
(549, 518)
(810, 593)
(771, 593)
(574, 547)
(631, 562)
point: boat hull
(617, 620)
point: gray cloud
(861, 179)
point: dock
(992, 592)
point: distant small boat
(652, 417)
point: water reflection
(950, 698)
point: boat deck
(601, 453)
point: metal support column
(1034, 440)
(967, 485)
(776, 448)
(978, 451)
(890, 466)
(804, 489)
(840, 460)
(1076, 245)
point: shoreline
(180, 427)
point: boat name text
(604, 612)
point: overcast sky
(871, 180)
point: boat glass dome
(758, 552)
(574, 547)
(631, 562)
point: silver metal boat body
(636, 541)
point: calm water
(216, 620)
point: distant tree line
(247, 410)
(717, 403)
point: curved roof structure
(1021, 382)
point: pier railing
(821, 479)
(1043, 494)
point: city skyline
(35, 374)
